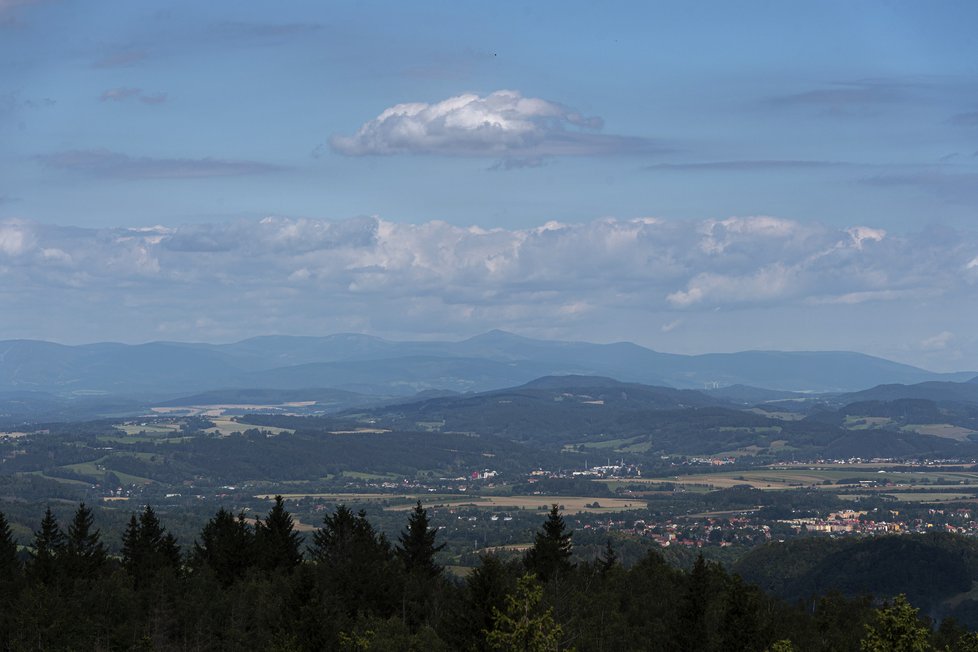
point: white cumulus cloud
(504, 124)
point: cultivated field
(945, 430)
(404, 502)
(137, 428)
(225, 426)
(866, 477)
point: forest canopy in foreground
(259, 584)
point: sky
(692, 177)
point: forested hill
(936, 571)
(939, 391)
(600, 414)
(562, 409)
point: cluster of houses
(711, 531)
(887, 522)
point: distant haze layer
(676, 285)
(370, 365)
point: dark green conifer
(147, 548)
(693, 630)
(49, 542)
(356, 563)
(342, 535)
(486, 588)
(130, 545)
(739, 630)
(84, 553)
(608, 558)
(226, 546)
(551, 551)
(278, 544)
(416, 546)
(9, 564)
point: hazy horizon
(433, 339)
(691, 179)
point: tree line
(260, 584)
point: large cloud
(230, 280)
(504, 124)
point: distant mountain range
(377, 367)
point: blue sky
(690, 176)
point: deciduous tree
(897, 629)
(523, 625)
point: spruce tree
(416, 551)
(416, 546)
(356, 563)
(166, 551)
(608, 558)
(339, 537)
(552, 547)
(9, 564)
(84, 553)
(49, 542)
(739, 631)
(226, 546)
(486, 588)
(147, 547)
(693, 630)
(278, 544)
(131, 545)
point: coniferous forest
(259, 584)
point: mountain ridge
(370, 364)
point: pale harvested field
(857, 422)
(148, 428)
(512, 547)
(945, 430)
(570, 504)
(912, 497)
(824, 478)
(360, 498)
(225, 426)
(296, 523)
(756, 479)
(783, 416)
(218, 409)
(303, 527)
